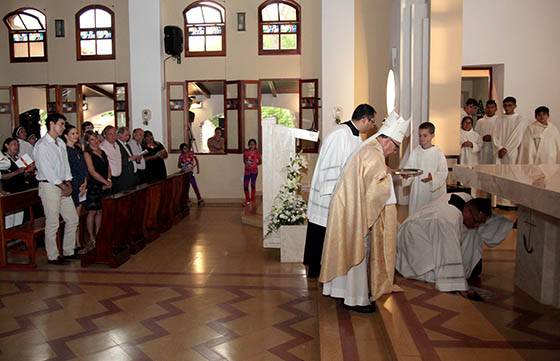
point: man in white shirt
(136, 146)
(113, 152)
(54, 176)
(335, 150)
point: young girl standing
(252, 160)
(187, 163)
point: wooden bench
(28, 232)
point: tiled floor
(205, 290)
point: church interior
(208, 275)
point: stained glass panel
(292, 28)
(271, 42)
(270, 13)
(214, 30)
(104, 34)
(36, 36)
(270, 28)
(84, 35)
(288, 41)
(20, 37)
(196, 30)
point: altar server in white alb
(362, 223)
(470, 109)
(508, 133)
(485, 128)
(430, 159)
(429, 246)
(470, 142)
(335, 150)
(541, 141)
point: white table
(536, 191)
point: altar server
(541, 141)
(470, 143)
(470, 109)
(429, 242)
(430, 159)
(485, 128)
(335, 150)
(362, 217)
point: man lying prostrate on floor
(442, 243)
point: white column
(337, 61)
(145, 89)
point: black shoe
(361, 309)
(72, 257)
(59, 261)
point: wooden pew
(136, 217)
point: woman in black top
(16, 179)
(99, 183)
(77, 163)
(155, 164)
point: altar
(536, 191)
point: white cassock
(540, 145)
(469, 156)
(354, 286)
(432, 161)
(25, 148)
(485, 126)
(434, 246)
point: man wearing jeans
(54, 176)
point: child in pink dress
(187, 162)
(252, 160)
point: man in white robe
(335, 150)
(508, 134)
(485, 128)
(541, 141)
(429, 242)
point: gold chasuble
(358, 209)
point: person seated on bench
(16, 178)
(55, 189)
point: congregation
(74, 171)
(354, 244)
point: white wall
(522, 35)
(337, 61)
(146, 64)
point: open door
(6, 109)
(250, 107)
(309, 112)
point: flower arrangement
(288, 207)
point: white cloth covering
(432, 161)
(540, 144)
(335, 151)
(469, 156)
(485, 126)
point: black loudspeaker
(173, 40)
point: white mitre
(395, 127)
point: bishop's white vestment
(432, 161)
(540, 145)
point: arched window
(279, 27)
(27, 29)
(205, 29)
(95, 33)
